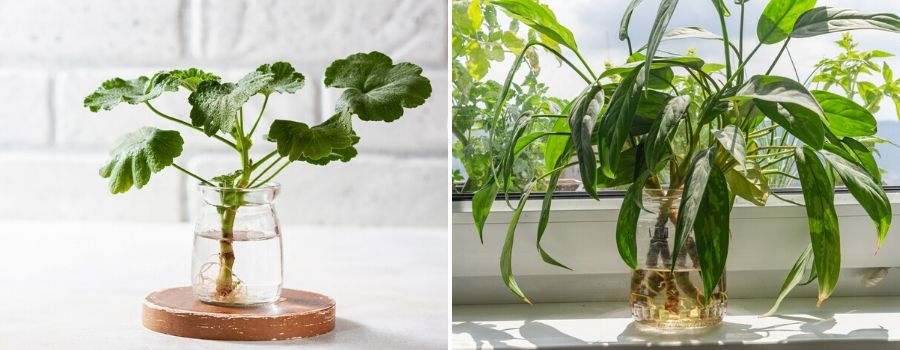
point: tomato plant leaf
(825, 20)
(375, 88)
(215, 105)
(139, 154)
(824, 232)
(540, 18)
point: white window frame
(765, 244)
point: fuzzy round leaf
(284, 78)
(215, 105)
(134, 91)
(139, 154)
(331, 140)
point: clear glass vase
(663, 300)
(237, 257)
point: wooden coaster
(297, 314)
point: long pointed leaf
(777, 20)
(824, 232)
(626, 19)
(582, 120)
(825, 20)
(506, 254)
(545, 211)
(711, 231)
(626, 225)
(867, 192)
(657, 139)
(694, 188)
(482, 202)
(732, 141)
(792, 280)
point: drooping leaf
(787, 103)
(509, 155)
(626, 225)
(748, 182)
(798, 121)
(139, 154)
(732, 141)
(135, 91)
(284, 78)
(711, 231)
(845, 117)
(192, 77)
(657, 139)
(692, 196)
(296, 140)
(506, 272)
(616, 122)
(793, 278)
(482, 202)
(626, 19)
(375, 88)
(556, 144)
(777, 20)
(824, 232)
(863, 157)
(824, 20)
(582, 119)
(867, 192)
(545, 214)
(663, 15)
(540, 18)
(215, 105)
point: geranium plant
(709, 131)
(374, 89)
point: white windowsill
(841, 323)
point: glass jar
(663, 300)
(237, 247)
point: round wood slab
(297, 314)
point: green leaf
(845, 117)
(476, 15)
(191, 78)
(777, 20)
(377, 89)
(732, 141)
(227, 180)
(545, 214)
(139, 154)
(556, 144)
(215, 105)
(526, 140)
(824, 232)
(862, 156)
(506, 272)
(867, 192)
(748, 182)
(692, 196)
(581, 121)
(135, 91)
(284, 78)
(540, 18)
(657, 139)
(509, 155)
(721, 8)
(626, 19)
(296, 140)
(626, 225)
(711, 231)
(625, 174)
(666, 9)
(824, 20)
(616, 122)
(787, 103)
(793, 279)
(482, 201)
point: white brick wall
(53, 53)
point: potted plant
(684, 146)
(237, 246)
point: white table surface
(841, 323)
(78, 285)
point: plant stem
(192, 175)
(780, 52)
(757, 156)
(273, 175)
(225, 280)
(182, 122)
(266, 170)
(258, 118)
(262, 160)
(726, 42)
(586, 66)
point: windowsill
(841, 323)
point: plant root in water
(208, 286)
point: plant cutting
(237, 249)
(685, 137)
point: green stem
(725, 41)
(263, 160)
(586, 66)
(225, 279)
(758, 156)
(273, 175)
(182, 122)
(564, 59)
(258, 118)
(266, 170)
(780, 52)
(204, 181)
